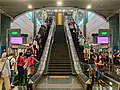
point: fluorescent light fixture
(48, 10)
(60, 10)
(30, 6)
(56, 10)
(59, 3)
(63, 10)
(71, 10)
(89, 6)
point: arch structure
(104, 8)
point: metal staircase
(59, 63)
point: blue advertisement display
(3, 49)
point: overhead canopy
(103, 7)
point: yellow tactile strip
(76, 86)
(59, 76)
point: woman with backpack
(20, 64)
(5, 72)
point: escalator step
(59, 67)
(59, 73)
(59, 70)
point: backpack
(10, 63)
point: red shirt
(31, 61)
(20, 61)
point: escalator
(107, 84)
(59, 69)
(79, 49)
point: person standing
(5, 70)
(35, 46)
(100, 65)
(30, 64)
(20, 64)
(12, 67)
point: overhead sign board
(104, 32)
(14, 32)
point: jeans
(12, 76)
(20, 72)
(99, 73)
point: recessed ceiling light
(29, 6)
(59, 3)
(89, 6)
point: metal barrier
(112, 75)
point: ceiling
(105, 8)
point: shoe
(12, 86)
(102, 81)
(99, 81)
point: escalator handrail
(73, 50)
(44, 56)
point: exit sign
(104, 33)
(14, 33)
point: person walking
(5, 72)
(12, 67)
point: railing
(111, 75)
(85, 81)
(34, 80)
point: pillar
(114, 26)
(34, 23)
(85, 20)
(4, 26)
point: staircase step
(59, 73)
(59, 59)
(59, 62)
(59, 70)
(59, 67)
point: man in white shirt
(36, 47)
(12, 67)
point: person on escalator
(20, 64)
(30, 64)
(35, 46)
(100, 65)
(30, 48)
(28, 52)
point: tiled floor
(59, 83)
(64, 83)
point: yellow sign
(59, 18)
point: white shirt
(12, 62)
(6, 70)
(36, 44)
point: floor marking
(59, 76)
(60, 86)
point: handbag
(2, 69)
